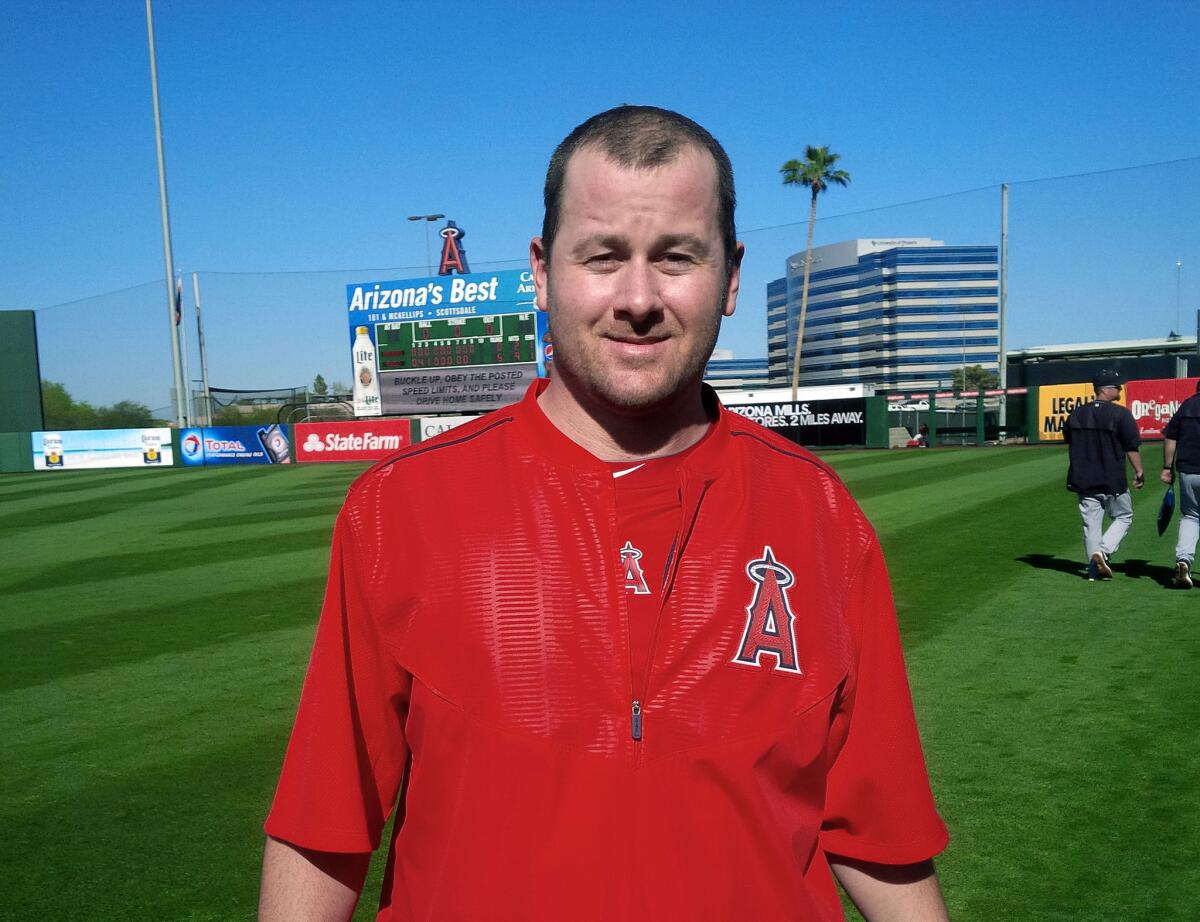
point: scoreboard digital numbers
(446, 344)
(490, 339)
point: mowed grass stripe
(40, 510)
(47, 653)
(131, 717)
(1054, 721)
(911, 501)
(188, 589)
(1057, 714)
(156, 559)
(156, 776)
(942, 466)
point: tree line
(61, 411)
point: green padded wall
(20, 381)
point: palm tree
(815, 171)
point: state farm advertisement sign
(1153, 403)
(368, 440)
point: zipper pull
(637, 721)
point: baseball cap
(1106, 377)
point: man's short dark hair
(641, 137)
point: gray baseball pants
(1092, 507)
(1187, 486)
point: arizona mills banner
(1153, 403)
(93, 448)
(813, 422)
(1055, 403)
(364, 440)
(445, 343)
(235, 445)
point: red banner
(1153, 403)
(364, 440)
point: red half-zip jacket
(474, 646)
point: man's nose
(639, 294)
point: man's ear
(538, 264)
(735, 280)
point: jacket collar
(705, 463)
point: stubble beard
(578, 360)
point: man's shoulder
(457, 451)
(811, 480)
(771, 448)
(1189, 408)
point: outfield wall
(1034, 415)
(1152, 402)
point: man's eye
(677, 259)
(601, 259)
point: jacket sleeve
(1129, 435)
(347, 752)
(878, 804)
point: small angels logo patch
(769, 617)
(635, 579)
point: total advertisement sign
(1055, 403)
(813, 422)
(1154, 402)
(363, 440)
(457, 343)
(235, 445)
(95, 448)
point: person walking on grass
(1101, 437)
(1181, 449)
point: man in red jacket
(639, 661)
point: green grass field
(154, 627)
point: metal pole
(1178, 296)
(168, 257)
(189, 410)
(427, 218)
(203, 354)
(1003, 357)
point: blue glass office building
(896, 313)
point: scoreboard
(446, 344)
(490, 339)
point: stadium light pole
(1002, 365)
(1179, 296)
(168, 256)
(427, 218)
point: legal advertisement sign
(363, 440)
(453, 343)
(1153, 403)
(95, 448)
(235, 445)
(1055, 403)
(812, 422)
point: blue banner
(89, 448)
(235, 445)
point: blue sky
(300, 135)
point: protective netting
(1106, 256)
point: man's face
(636, 284)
